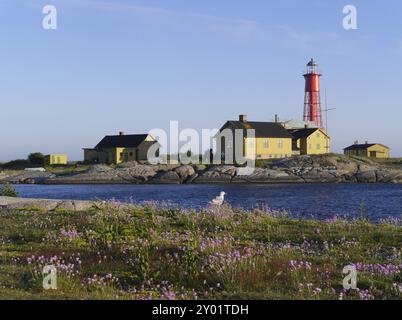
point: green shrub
(37, 158)
(19, 164)
(8, 191)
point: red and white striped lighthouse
(312, 97)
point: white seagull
(219, 200)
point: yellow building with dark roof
(121, 148)
(270, 140)
(369, 150)
(309, 141)
(56, 159)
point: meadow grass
(154, 252)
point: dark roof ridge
(364, 145)
(122, 141)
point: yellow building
(370, 150)
(270, 140)
(121, 148)
(310, 141)
(56, 159)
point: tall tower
(312, 97)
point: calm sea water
(305, 200)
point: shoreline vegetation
(330, 168)
(110, 251)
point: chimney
(121, 133)
(276, 118)
(243, 118)
(356, 142)
(367, 142)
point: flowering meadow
(155, 252)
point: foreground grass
(146, 252)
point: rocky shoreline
(46, 204)
(302, 169)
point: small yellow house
(270, 139)
(310, 141)
(370, 150)
(56, 159)
(120, 148)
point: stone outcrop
(45, 204)
(302, 169)
(217, 174)
(26, 177)
(267, 176)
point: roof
(363, 146)
(122, 141)
(299, 124)
(303, 133)
(262, 129)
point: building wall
(359, 153)
(105, 156)
(316, 143)
(91, 156)
(125, 155)
(268, 148)
(380, 152)
(55, 159)
(142, 152)
(116, 155)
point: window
(280, 144)
(309, 145)
(266, 144)
(131, 154)
(318, 135)
(318, 146)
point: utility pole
(326, 111)
(326, 115)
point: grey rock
(217, 174)
(366, 176)
(184, 172)
(191, 178)
(99, 168)
(292, 163)
(169, 177)
(213, 177)
(129, 164)
(199, 167)
(320, 168)
(318, 175)
(387, 176)
(28, 177)
(44, 204)
(138, 173)
(266, 176)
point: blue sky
(135, 65)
